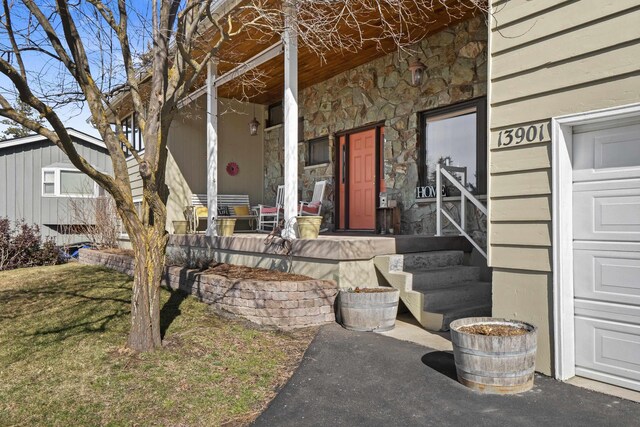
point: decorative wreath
(233, 168)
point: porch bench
(237, 205)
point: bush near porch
(62, 361)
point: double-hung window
(67, 182)
(455, 135)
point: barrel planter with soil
(494, 355)
(368, 309)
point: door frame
(338, 166)
(562, 223)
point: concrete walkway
(364, 379)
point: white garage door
(606, 250)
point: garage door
(606, 251)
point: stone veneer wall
(456, 60)
(282, 305)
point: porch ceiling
(311, 68)
(268, 85)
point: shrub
(23, 246)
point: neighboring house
(543, 110)
(39, 185)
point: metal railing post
(463, 203)
(438, 201)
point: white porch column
(290, 124)
(212, 148)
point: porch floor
(334, 246)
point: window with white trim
(133, 134)
(67, 182)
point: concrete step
(469, 294)
(425, 260)
(483, 310)
(423, 280)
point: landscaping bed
(267, 298)
(62, 361)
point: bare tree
(117, 56)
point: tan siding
(619, 61)
(546, 61)
(517, 10)
(514, 295)
(521, 184)
(528, 157)
(519, 257)
(592, 38)
(135, 178)
(570, 15)
(516, 233)
(521, 209)
(577, 99)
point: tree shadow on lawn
(441, 361)
(171, 310)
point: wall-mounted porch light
(417, 69)
(254, 124)
(253, 127)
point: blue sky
(75, 116)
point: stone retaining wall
(282, 305)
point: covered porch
(313, 113)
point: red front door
(362, 180)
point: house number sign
(537, 132)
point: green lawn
(63, 362)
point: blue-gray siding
(21, 184)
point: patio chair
(315, 205)
(201, 214)
(269, 216)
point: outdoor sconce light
(253, 127)
(417, 69)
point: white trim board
(258, 59)
(562, 219)
(37, 138)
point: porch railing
(445, 171)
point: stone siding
(281, 305)
(380, 91)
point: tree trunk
(149, 250)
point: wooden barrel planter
(368, 309)
(494, 355)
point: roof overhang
(239, 51)
(39, 138)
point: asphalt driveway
(364, 379)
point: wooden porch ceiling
(268, 78)
(268, 81)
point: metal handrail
(464, 195)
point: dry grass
(62, 360)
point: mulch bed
(242, 272)
(117, 251)
(493, 330)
